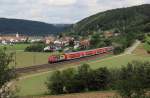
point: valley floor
(34, 85)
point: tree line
(133, 19)
(131, 81)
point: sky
(60, 11)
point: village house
(49, 39)
(108, 34)
(12, 38)
(84, 43)
(35, 39)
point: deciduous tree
(7, 73)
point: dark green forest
(123, 20)
(27, 27)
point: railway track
(37, 68)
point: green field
(24, 59)
(35, 85)
(15, 47)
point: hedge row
(131, 80)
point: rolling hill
(130, 19)
(9, 26)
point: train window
(62, 56)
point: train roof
(80, 51)
(85, 50)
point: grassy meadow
(25, 59)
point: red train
(80, 54)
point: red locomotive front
(56, 58)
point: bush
(123, 41)
(100, 79)
(141, 37)
(147, 47)
(147, 44)
(118, 50)
(35, 48)
(134, 79)
(55, 83)
(83, 75)
(131, 81)
(97, 41)
(69, 80)
(84, 79)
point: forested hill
(136, 18)
(8, 26)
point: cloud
(59, 2)
(60, 11)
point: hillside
(136, 18)
(8, 26)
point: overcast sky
(60, 11)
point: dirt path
(140, 51)
(132, 48)
(84, 95)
